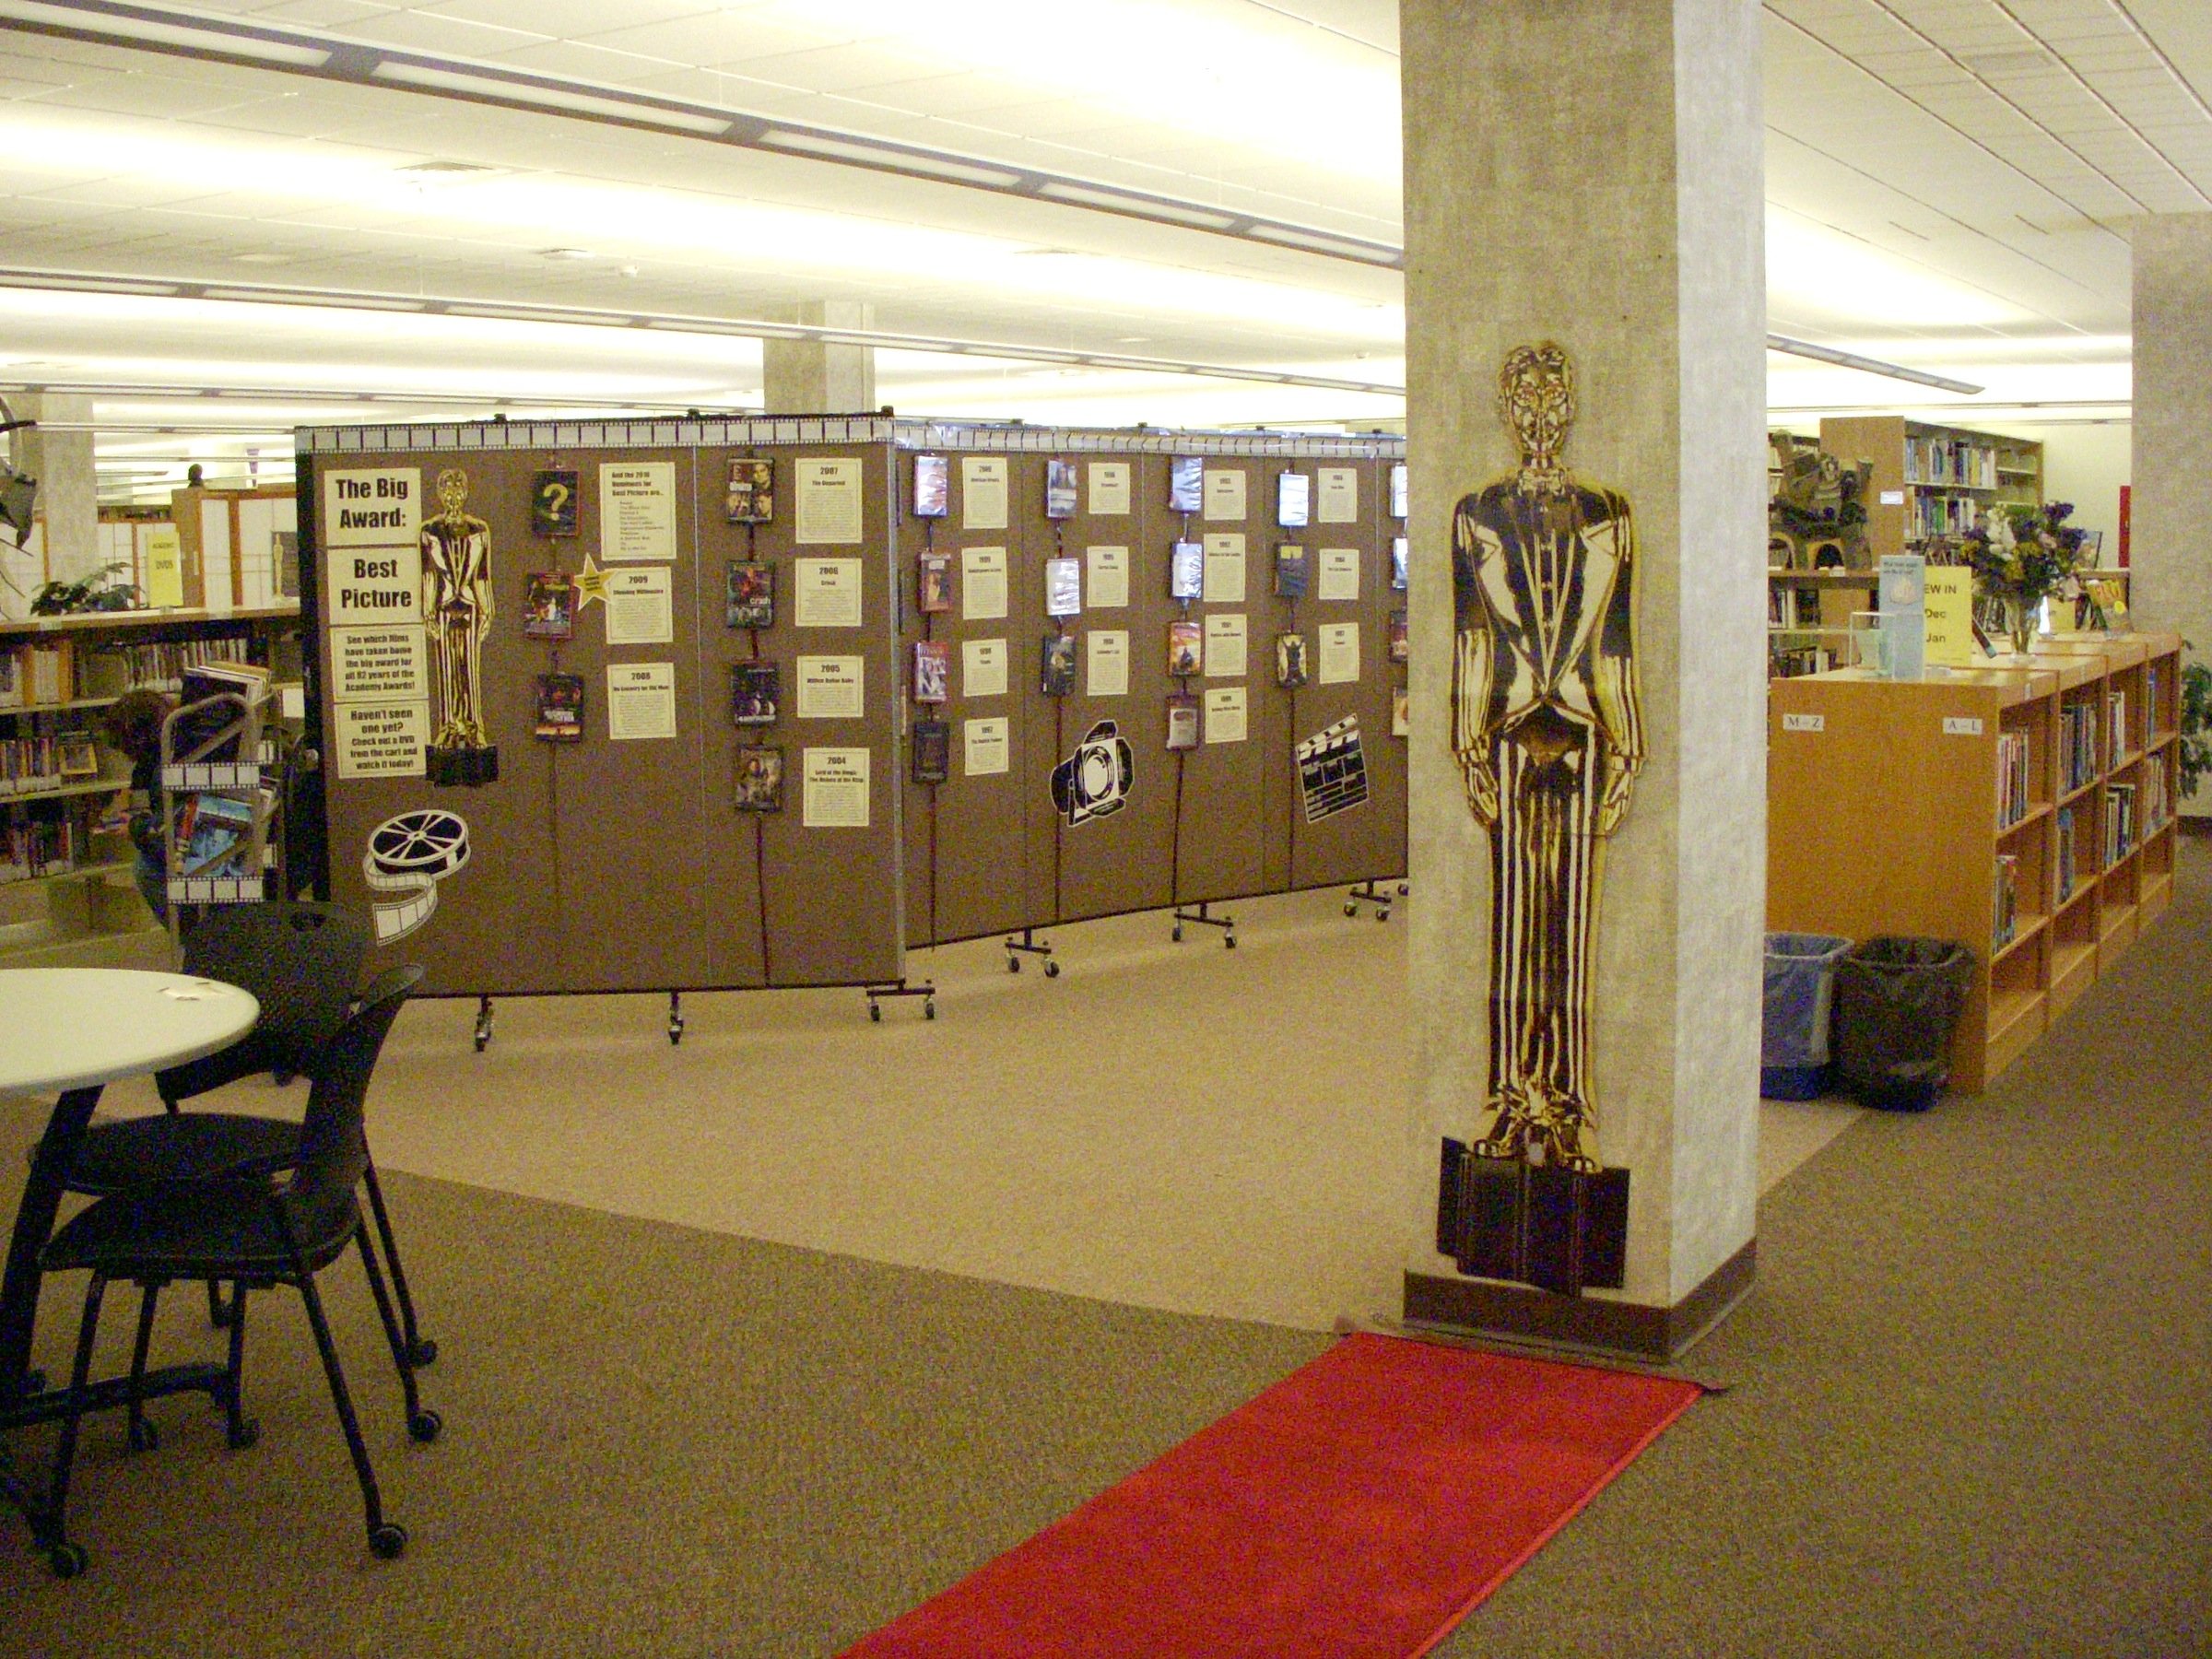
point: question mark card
(553, 503)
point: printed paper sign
(381, 740)
(834, 788)
(1339, 577)
(641, 700)
(1339, 502)
(982, 492)
(983, 584)
(827, 489)
(639, 608)
(1107, 660)
(832, 688)
(381, 509)
(983, 668)
(1224, 582)
(1109, 577)
(1225, 715)
(1225, 651)
(825, 593)
(1225, 492)
(1339, 653)
(637, 509)
(373, 585)
(988, 750)
(1109, 489)
(379, 664)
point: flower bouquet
(2021, 556)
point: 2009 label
(1804, 723)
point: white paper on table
(1225, 645)
(1225, 715)
(1109, 489)
(985, 748)
(825, 593)
(1338, 657)
(641, 701)
(1339, 574)
(983, 668)
(832, 688)
(1108, 573)
(833, 792)
(639, 608)
(1224, 568)
(1107, 663)
(982, 583)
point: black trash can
(1799, 1002)
(1898, 1005)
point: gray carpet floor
(1970, 1414)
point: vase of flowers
(2021, 557)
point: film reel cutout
(408, 854)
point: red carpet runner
(1357, 1510)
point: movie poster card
(549, 606)
(756, 693)
(933, 671)
(1059, 489)
(553, 502)
(1056, 665)
(749, 595)
(1186, 648)
(1186, 570)
(751, 497)
(559, 708)
(758, 783)
(932, 487)
(933, 583)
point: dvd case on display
(1056, 665)
(1186, 648)
(1183, 723)
(932, 751)
(932, 487)
(1290, 661)
(1398, 490)
(756, 693)
(933, 583)
(933, 671)
(1186, 483)
(1063, 587)
(1059, 489)
(553, 502)
(758, 779)
(749, 599)
(1186, 570)
(1401, 719)
(559, 708)
(549, 606)
(750, 498)
(1397, 562)
(1293, 500)
(1289, 572)
(1399, 651)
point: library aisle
(1176, 1127)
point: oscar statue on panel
(457, 611)
(1547, 727)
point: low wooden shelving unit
(1884, 818)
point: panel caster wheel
(244, 1435)
(143, 1436)
(67, 1560)
(424, 1352)
(387, 1540)
(876, 1012)
(1051, 971)
(1404, 889)
(1229, 941)
(1012, 964)
(1176, 932)
(1383, 914)
(424, 1426)
(675, 1032)
(1351, 909)
(929, 1009)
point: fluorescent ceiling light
(1318, 241)
(215, 38)
(1846, 359)
(1124, 201)
(634, 112)
(878, 155)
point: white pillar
(69, 493)
(1590, 172)
(814, 377)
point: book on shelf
(32, 847)
(1934, 458)
(2007, 902)
(2015, 792)
(2115, 716)
(2078, 754)
(2153, 801)
(2119, 822)
(2065, 853)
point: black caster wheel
(67, 1560)
(1012, 964)
(244, 1435)
(387, 1540)
(876, 1012)
(480, 1043)
(929, 1009)
(1404, 890)
(424, 1352)
(1229, 941)
(676, 1035)
(143, 1436)
(1351, 909)
(1176, 934)
(424, 1426)
(1051, 971)
(1383, 914)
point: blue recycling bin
(1794, 1052)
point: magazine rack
(217, 817)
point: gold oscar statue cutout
(1547, 728)
(457, 612)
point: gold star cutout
(590, 583)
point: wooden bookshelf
(1932, 480)
(1883, 818)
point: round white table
(71, 1031)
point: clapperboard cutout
(1332, 771)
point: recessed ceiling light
(262, 258)
(450, 169)
(566, 254)
(1133, 340)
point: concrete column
(1590, 172)
(2168, 548)
(69, 494)
(811, 377)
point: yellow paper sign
(1950, 601)
(164, 567)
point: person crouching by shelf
(132, 725)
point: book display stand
(776, 699)
(218, 806)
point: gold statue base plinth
(1544, 1225)
(462, 767)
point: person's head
(133, 722)
(1536, 400)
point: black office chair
(302, 963)
(255, 1233)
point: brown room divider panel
(731, 839)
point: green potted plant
(2020, 555)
